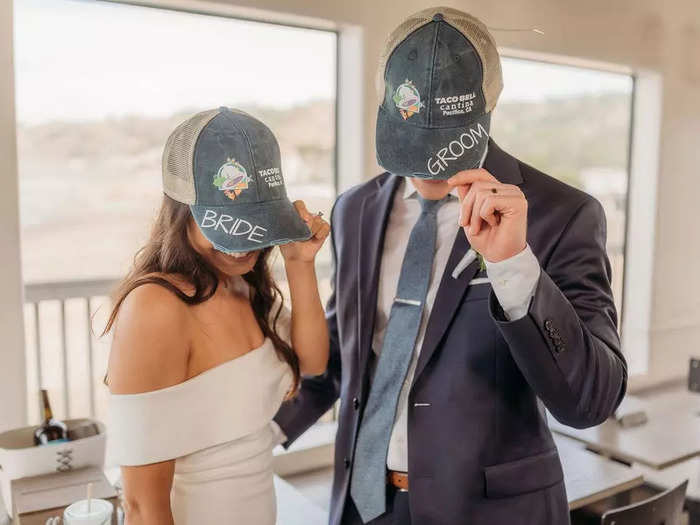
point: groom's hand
(493, 215)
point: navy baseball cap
(226, 165)
(439, 79)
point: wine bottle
(51, 431)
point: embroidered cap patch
(231, 178)
(407, 99)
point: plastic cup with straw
(90, 511)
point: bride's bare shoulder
(151, 340)
(177, 280)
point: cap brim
(429, 153)
(245, 227)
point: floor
(315, 485)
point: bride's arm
(149, 351)
(309, 331)
(147, 493)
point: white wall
(12, 389)
(643, 34)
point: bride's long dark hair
(169, 251)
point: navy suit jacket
(481, 452)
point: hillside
(89, 189)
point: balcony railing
(64, 352)
(46, 313)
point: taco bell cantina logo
(456, 148)
(407, 99)
(231, 178)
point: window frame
(643, 169)
(348, 124)
(644, 143)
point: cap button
(437, 17)
(223, 108)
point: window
(573, 124)
(97, 95)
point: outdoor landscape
(89, 190)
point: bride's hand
(305, 251)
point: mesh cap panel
(178, 157)
(472, 28)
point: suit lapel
(374, 215)
(447, 300)
(451, 291)
(501, 165)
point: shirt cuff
(514, 281)
(280, 436)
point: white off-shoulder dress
(217, 428)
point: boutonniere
(468, 258)
(482, 262)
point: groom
(441, 364)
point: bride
(204, 351)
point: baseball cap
(439, 78)
(226, 165)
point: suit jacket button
(355, 403)
(346, 462)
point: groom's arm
(566, 344)
(317, 394)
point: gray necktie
(368, 485)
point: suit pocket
(523, 475)
(478, 291)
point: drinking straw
(89, 497)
